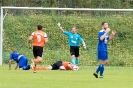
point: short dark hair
(103, 23)
(14, 50)
(39, 27)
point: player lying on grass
(74, 39)
(21, 60)
(103, 39)
(60, 65)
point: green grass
(115, 77)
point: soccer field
(115, 77)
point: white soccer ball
(75, 68)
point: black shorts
(37, 51)
(74, 50)
(56, 65)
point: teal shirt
(73, 39)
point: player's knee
(38, 59)
(104, 62)
(73, 56)
(26, 67)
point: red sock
(41, 68)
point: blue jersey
(14, 56)
(102, 44)
(73, 39)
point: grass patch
(115, 77)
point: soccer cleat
(101, 77)
(33, 66)
(95, 74)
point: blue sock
(101, 69)
(73, 60)
(26, 67)
(98, 69)
(77, 61)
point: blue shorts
(102, 55)
(23, 61)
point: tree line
(70, 3)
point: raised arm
(59, 25)
(112, 34)
(104, 35)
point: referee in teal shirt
(74, 38)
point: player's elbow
(101, 38)
(46, 41)
(30, 38)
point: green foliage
(70, 3)
(17, 29)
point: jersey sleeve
(100, 34)
(32, 34)
(80, 39)
(66, 33)
(11, 57)
(45, 35)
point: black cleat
(95, 74)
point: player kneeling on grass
(20, 59)
(60, 65)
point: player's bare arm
(16, 66)
(112, 34)
(46, 40)
(29, 39)
(70, 66)
(59, 25)
(104, 35)
(10, 62)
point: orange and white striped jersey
(39, 38)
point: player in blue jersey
(74, 38)
(20, 59)
(102, 51)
